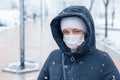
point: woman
(77, 58)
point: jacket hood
(74, 11)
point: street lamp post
(22, 35)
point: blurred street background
(38, 41)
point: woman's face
(73, 38)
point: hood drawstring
(64, 74)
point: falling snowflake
(103, 64)
(91, 68)
(53, 63)
(46, 77)
(81, 62)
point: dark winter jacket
(88, 63)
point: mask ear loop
(64, 75)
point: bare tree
(91, 5)
(41, 14)
(113, 15)
(106, 2)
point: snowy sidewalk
(10, 50)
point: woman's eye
(77, 31)
(65, 32)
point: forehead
(71, 29)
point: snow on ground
(113, 40)
(113, 32)
(9, 17)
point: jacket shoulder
(102, 54)
(106, 59)
(103, 57)
(55, 55)
(55, 52)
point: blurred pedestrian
(34, 17)
(78, 58)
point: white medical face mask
(73, 41)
